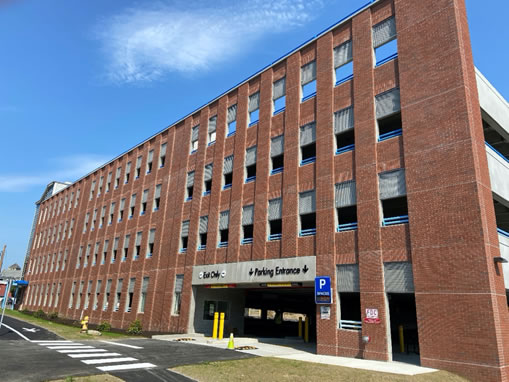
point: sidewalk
(297, 350)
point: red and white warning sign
(371, 316)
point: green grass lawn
(267, 369)
(65, 331)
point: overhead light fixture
(500, 259)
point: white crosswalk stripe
(81, 350)
(108, 360)
(70, 347)
(102, 359)
(131, 366)
(92, 355)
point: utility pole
(2, 257)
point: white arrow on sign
(32, 330)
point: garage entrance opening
(275, 312)
(404, 321)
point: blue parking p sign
(323, 292)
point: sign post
(4, 302)
(323, 291)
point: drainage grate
(184, 339)
(246, 348)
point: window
(212, 130)
(275, 221)
(130, 294)
(150, 243)
(143, 295)
(277, 154)
(194, 138)
(149, 161)
(144, 198)
(137, 247)
(138, 167)
(247, 224)
(105, 251)
(279, 95)
(207, 179)
(100, 188)
(162, 157)
(189, 185)
(112, 212)
(388, 114)
(308, 81)
(384, 41)
(204, 222)
(254, 108)
(70, 201)
(343, 63)
(126, 247)
(250, 164)
(80, 294)
(65, 259)
(103, 215)
(89, 292)
(307, 144)
(121, 210)
(118, 295)
(108, 182)
(228, 172)
(343, 130)
(346, 207)
(94, 219)
(157, 197)
(97, 293)
(224, 221)
(349, 297)
(77, 198)
(87, 256)
(92, 189)
(71, 297)
(127, 172)
(58, 261)
(177, 294)
(211, 307)
(307, 202)
(132, 205)
(392, 189)
(117, 177)
(184, 234)
(114, 250)
(106, 298)
(231, 120)
(85, 224)
(59, 290)
(96, 253)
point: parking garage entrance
(258, 298)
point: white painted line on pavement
(81, 350)
(120, 344)
(60, 344)
(53, 341)
(108, 360)
(92, 355)
(70, 347)
(127, 367)
(15, 331)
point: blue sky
(71, 71)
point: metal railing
(275, 236)
(307, 232)
(350, 325)
(346, 227)
(345, 149)
(395, 220)
(390, 134)
(307, 161)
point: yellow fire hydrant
(84, 324)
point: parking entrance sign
(323, 292)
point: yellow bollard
(306, 330)
(84, 325)
(214, 327)
(300, 327)
(221, 326)
(401, 339)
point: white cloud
(67, 168)
(144, 43)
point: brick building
(360, 155)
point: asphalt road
(28, 359)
